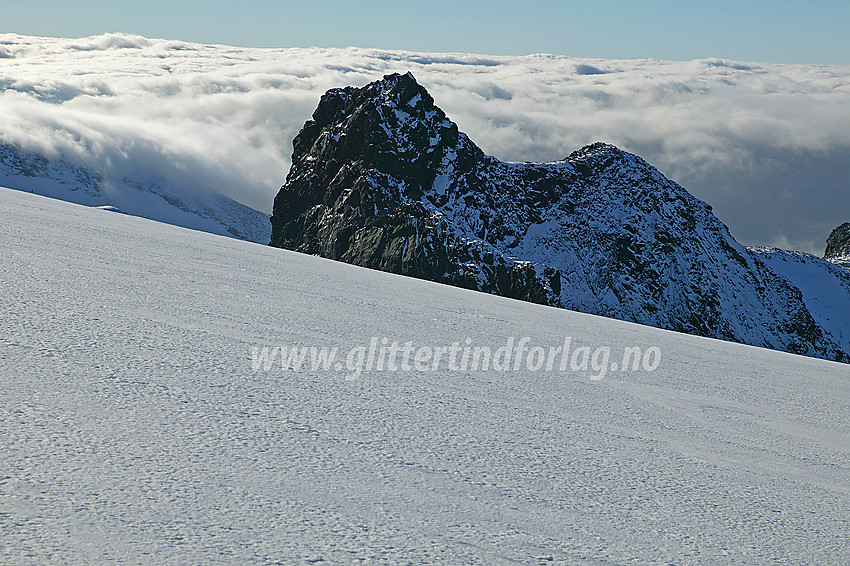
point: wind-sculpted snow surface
(135, 431)
(383, 179)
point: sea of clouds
(767, 145)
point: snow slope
(134, 430)
(825, 289)
(140, 194)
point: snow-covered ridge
(382, 178)
(144, 196)
(135, 431)
(825, 287)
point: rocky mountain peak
(382, 178)
(389, 128)
(838, 243)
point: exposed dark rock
(838, 242)
(382, 178)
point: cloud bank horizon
(767, 145)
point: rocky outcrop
(838, 242)
(359, 172)
(381, 178)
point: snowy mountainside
(382, 178)
(825, 287)
(135, 431)
(143, 196)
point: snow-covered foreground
(134, 429)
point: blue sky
(765, 31)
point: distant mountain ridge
(147, 197)
(381, 178)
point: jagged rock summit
(838, 245)
(382, 178)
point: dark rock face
(383, 179)
(358, 168)
(838, 242)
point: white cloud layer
(767, 145)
